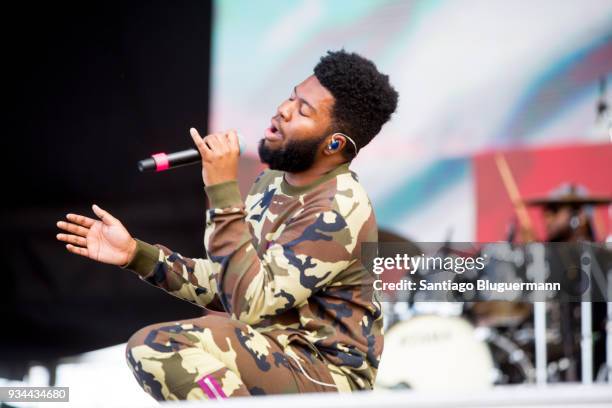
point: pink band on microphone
(161, 161)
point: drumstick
(513, 193)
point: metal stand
(609, 330)
(539, 314)
(586, 322)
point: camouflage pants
(215, 357)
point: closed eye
(292, 98)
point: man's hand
(220, 152)
(104, 241)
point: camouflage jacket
(286, 261)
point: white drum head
(435, 353)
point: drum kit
(455, 345)
(468, 342)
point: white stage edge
(566, 395)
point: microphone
(166, 161)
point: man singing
(285, 264)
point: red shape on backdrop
(537, 172)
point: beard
(294, 157)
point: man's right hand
(105, 240)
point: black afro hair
(364, 99)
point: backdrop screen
(472, 76)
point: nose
(285, 110)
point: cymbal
(569, 199)
(570, 194)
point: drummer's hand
(220, 152)
(105, 240)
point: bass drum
(435, 353)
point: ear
(334, 144)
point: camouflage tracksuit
(285, 266)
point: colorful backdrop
(472, 76)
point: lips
(273, 133)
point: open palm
(105, 240)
